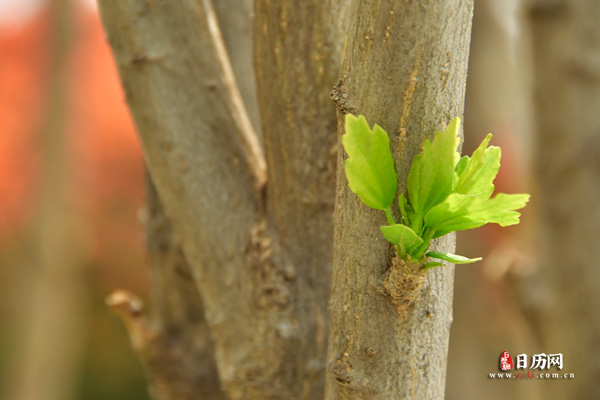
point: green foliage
(431, 175)
(370, 166)
(459, 212)
(446, 193)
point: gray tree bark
(566, 37)
(405, 69)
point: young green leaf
(460, 212)
(478, 176)
(403, 237)
(446, 193)
(431, 175)
(370, 166)
(453, 258)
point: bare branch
(129, 309)
(235, 21)
(248, 137)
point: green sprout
(445, 192)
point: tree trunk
(566, 37)
(405, 69)
(296, 65)
(259, 255)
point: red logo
(506, 362)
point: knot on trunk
(273, 275)
(403, 283)
(339, 98)
(342, 371)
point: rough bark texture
(297, 64)
(262, 288)
(566, 37)
(405, 69)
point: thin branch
(247, 135)
(129, 309)
(235, 22)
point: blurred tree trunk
(566, 39)
(255, 224)
(488, 308)
(52, 299)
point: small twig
(129, 308)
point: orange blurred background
(103, 190)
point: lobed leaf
(478, 176)
(460, 212)
(431, 175)
(370, 166)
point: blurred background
(71, 182)
(71, 186)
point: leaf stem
(416, 224)
(427, 235)
(389, 216)
(429, 232)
